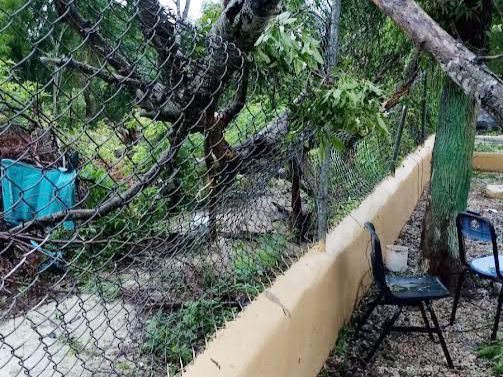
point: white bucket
(396, 258)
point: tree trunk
(450, 181)
(453, 153)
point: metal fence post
(330, 63)
(398, 140)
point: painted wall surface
(485, 161)
(289, 330)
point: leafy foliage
(254, 265)
(351, 105)
(210, 13)
(286, 45)
(494, 352)
(15, 94)
(172, 336)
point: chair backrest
(376, 258)
(472, 226)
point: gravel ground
(414, 354)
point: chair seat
(416, 287)
(486, 266)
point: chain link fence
(152, 181)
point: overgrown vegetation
(198, 145)
(494, 353)
(177, 335)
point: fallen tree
(458, 62)
(185, 92)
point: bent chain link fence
(150, 185)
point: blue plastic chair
(404, 291)
(471, 226)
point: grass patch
(172, 337)
(252, 263)
(175, 337)
(342, 345)
(488, 147)
(494, 353)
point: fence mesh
(155, 174)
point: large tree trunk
(450, 181)
(452, 158)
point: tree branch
(111, 78)
(234, 35)
(178, 8)
(489, 57)
(227, 114)
(403, 89)
(459, 63)
(89, 32)
(186, 10)
(158, 26)
(149, 95)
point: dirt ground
(414, 354)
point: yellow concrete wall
(289, 330)
(484, 161)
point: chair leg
(440, 335)
(498, 314)
(386, 330)
(426, 321)
(367, 314)
(456, 297)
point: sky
(194, 10)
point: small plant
(173, 336)
(341, 347)
(494, 353)
(251, 264)
(337, 355)
(75, 347)
(486, 147)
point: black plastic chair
(471, 226)
(402, 292)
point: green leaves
(288, 46)
(350, 105)
(494, 352)
(15, 94)
(252, 264)
(210, 13)
(173, 335)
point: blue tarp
(30, 193)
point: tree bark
(452, 156)
(450, 182)
(403, 89)
(457, 61)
